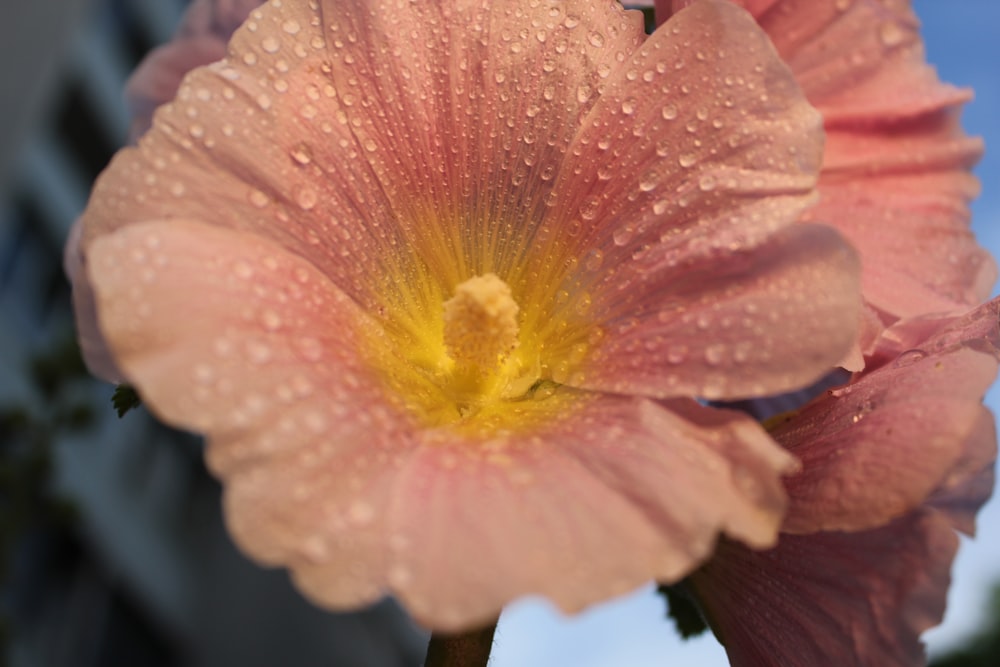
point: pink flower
(891, 464)
(441, 281)
(895, 178)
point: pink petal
(969, 483)
(201, 39)
(247, 147)
(96, 354)
(895, 175)
(225, 333)
(831, 598)
(468, 132)
(578, 510)
(875, 449)
(685, 194)
(717, 325)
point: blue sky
(964, 43)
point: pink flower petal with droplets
(895, 175)
(876, 448)
(326, 474)
(200, 39)
(695, 329)
(897, 459)
(857, 599)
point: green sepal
(683, 610)
(124, 399)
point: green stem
(468, 649)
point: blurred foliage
(982, 649)
(31, 513)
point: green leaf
(124, 399)
(683, 610)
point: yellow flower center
(487, 351)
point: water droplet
(594, 260)
(291, 26)
(596, 39)
(588, 209)
(629, 106)
(360, 513)
(310, 348)
(301, 153)
(258, 353)
(706, 183)
(891, 34)
(649, 181)
(270, 44)
(270, 319)
(306, 198)
(257, 198)
(669, 112)
(714, 354)
(623, 234)
(687, 159)
(909, 358)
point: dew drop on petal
(360, 513)
(257, 198)
(306, 198)
(890, 33)
(588, 209)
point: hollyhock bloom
(895, 177)
(441, 281)
(892, 463)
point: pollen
(480, 323)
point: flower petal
(875, 449)
(895, 175)
(831, 598)
(200, 39)
(467, 132)
(969, 483)
(93, 347)
(670, 192)
(713, 141)
(254, 143)
(607, 494)
(716, 325)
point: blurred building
(112, 548)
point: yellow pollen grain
(480, 323)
